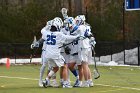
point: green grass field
(24, 79)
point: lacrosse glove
(92, 41)
(67, 50)
(33, 45)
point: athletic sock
(75, 73)
(50, 74)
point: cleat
(61, 82)
(40, 83)
(54, 84)
(91, 84)
(86, 84)
(77, 83)
(67, 85)
(45, 83)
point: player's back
(53, 41)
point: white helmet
(80, 19)
(49, 23)
(71, 22)
(57, 22)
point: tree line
(22, 19)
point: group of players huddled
(67, 45)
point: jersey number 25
(51, 39)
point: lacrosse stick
(95, 70)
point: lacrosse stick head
(64, 12)
(96, 74)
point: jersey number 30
(51, 39)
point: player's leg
(84, 59)
(91, 84)
(54, 82)
(90, 78)
(74, 71)
(42, 69)
(72, 65)
(51, 73)
(61, 76)
(85, 73)
(66, 57)
(66, 83)
(80, 71)
(72, 68)
(54, 69)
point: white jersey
(84, 31)
(85, 52)
(53, 41)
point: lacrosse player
(65, 53)
(85, 53)
(44, 62)
(70, 50)
(74, 59)
(84, 48)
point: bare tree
(70, 6)
(5, 4)
(22, 3)
(78, 7)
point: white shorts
(66, 57)
(75, 59)
(85, 55)
(56, 62)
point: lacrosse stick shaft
(95, 66)
(66, 44)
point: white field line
(119, 87)
(18, 78)
(111, 90)
(130, 88)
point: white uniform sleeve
(70, 37)
(42, 30)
